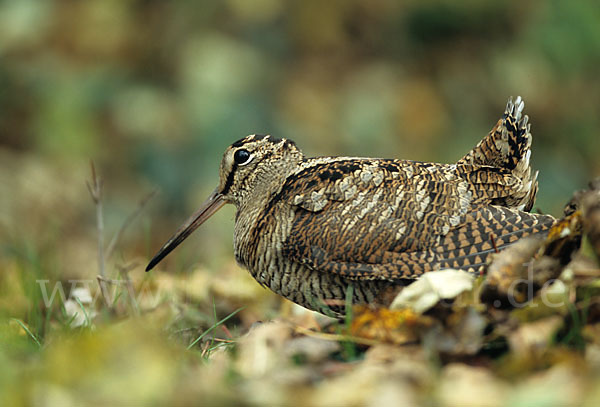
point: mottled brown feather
(396, 227)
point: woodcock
(307, 228)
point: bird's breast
(259, 237)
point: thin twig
(105, 294)
(95, 188)
(124, 271)
(493, 240)
(227, 331)
(128, 221)
(219, 345)
(223, 340)
(336, 337)
(109, 280)
(205, 347)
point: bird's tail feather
(508, 146)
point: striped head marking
(254, 165)
(251, 169)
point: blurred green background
(154, 91)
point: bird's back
(393, 219)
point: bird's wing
(389, 219)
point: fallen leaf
(386, 325)
(508, 281)
(432, 287)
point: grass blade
(212, 328)
(85, 314)
(18, 321)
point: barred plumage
(308, 227)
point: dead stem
(335, 337)
(95, 188)
(102, 281)
(124, 272)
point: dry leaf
(385, 325)
(432, 287)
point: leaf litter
(526, 333)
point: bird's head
(251, 169)
(253, 166)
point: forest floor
(525, 333)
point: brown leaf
(507, 274)
(385, 325)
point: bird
(322, 231)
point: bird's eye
(242, 157)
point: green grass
(213, 327)
(26, 329)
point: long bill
(214, 202)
